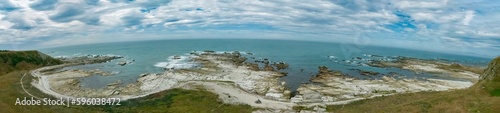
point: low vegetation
(456, 101)
(179, 101)
(482, 97)
(24, 60)
(11, 89)
(491, 78)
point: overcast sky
(452, 26)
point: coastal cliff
(490, 79)
(24, 60)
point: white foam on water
(179, 62)
(220, 52)
(184, 61)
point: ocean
(304, 57)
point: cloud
(6, 5)
(132, 19)
(91, 20)
(397, 23)
(67, 13)
(154, 3)
(92, 2)
(406, 4)
(44, 5)
(468, 17)
(19, 22)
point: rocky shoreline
(241, 80)
(452, 70)
(331, 87)
(216, 67)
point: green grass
(173, 101)
(179, 101)
(24, 60)
(491, 77)
(495, 92)
(10, 88)
(457, 101)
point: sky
(470, 27)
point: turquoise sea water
(301, 55)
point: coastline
(225, 75)
(263, 85)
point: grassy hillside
(13, 65)
(24, 60)
(482, 97)
(490, 80)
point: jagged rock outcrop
(490, 79)
(281, 65)
(324, 73)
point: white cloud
(488, 34)
(469, 15)
(405, 4)
(329, 20)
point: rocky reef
(90, 59)
(236, 79)
(335, 87)
(227, 67)
(324, 73)
(434, 67)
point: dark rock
(238, 60)
(177, 57)
(236, 54)
(456, 66)
(268, 68)
(366, 73)
(116, 92)
(265, 62)
(144, 74)
(281, 65)
(325, 73)
(258, 101)
(122, 63)
(209, 51)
